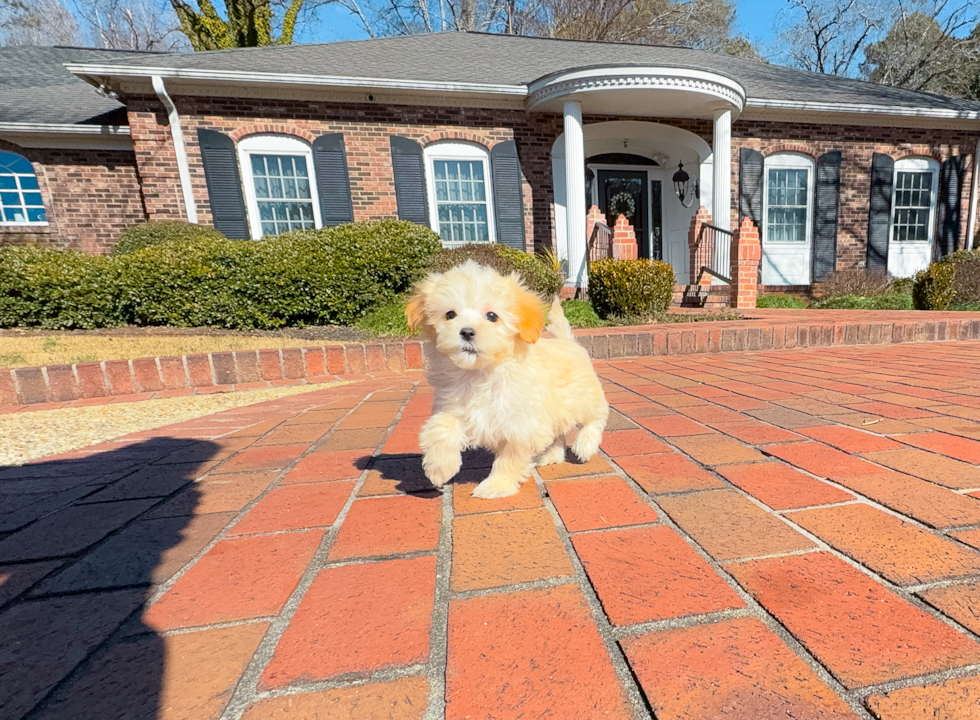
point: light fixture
(685, 190)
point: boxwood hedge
(630, 287)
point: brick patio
(788, 534)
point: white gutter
(239, 76)
(971, 225)
(179, 150)
(863, 109)
(63, 129)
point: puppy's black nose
(468, 333)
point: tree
(132, 24)
(37, 22)
(926, 48)
(829, 36)
(250, 23)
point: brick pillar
(746, 256)
(591, 218)
(624, 240)
(698, 257)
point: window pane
(31, 198)
(461, 200)
(35, 214)
(7, 182)
(913, 206)
(27, 182)
(9, 199)
(786, 219)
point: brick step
(715, 297)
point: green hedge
(333, 276)
(891, 301)
(952, 282)
(780, 301)
(136, 237)
(630, 287)
(541, 278)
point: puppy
(497, 383)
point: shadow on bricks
(392, 473)
(85, 539)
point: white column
(575, 194)
(721, 191)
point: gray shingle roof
(513, 60)
(35, 87)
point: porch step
(715, 297)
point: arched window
(280, 190)
(20, 198)
(460, 204)
(914, 201)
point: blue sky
(755, 20)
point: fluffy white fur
(505, 388)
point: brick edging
(204, 372)
(250, 369)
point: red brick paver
(764, 535)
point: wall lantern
(685, 189)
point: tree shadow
(84, 541)
(403, 471)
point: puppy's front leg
(442, 442)
(510, 468)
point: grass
(891, 301)
(780, 301)
(29, 350)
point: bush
(857, 281)
(891, 301)
(387, 320)
(630, 287)
(136, 237)
(57, 289)
(581, 314)
(310, 277)
(539, 277)
(954, 281)
(780, 301)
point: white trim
(242, 76)
(575, 82)
(273, 145)
(183, 169)
(862, 109)
(60, 129)
(457, 151)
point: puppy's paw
(496, 487)
(552, 456)
(439, 469)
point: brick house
(489, 138)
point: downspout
(183, 169)
(971, 225)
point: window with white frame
(914, 200)
(280, 189)
(788, 196)
(20, 196)
(460, 208)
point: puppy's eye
(492, 317)
(450, 315)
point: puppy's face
(479, 317)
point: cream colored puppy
(497, 383)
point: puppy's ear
(529, 311)
(415, 310)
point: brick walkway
(787, 534)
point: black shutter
(224, 184)
(750, 164)
(880, 210)
(508, 199)
(825, 215)
(409, 171)
(333, 183)
(950, 190)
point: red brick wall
(368, 126)
(90, 196)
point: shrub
(857, 281)
(581, 314)
(57, 289)
(780, 301)
(630, 287)
(891, 301)
(539, 277)
(388, 319)
(954, 281)
(136, 237)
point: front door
(624, 192)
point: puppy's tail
(557, 323)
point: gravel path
(26, 436)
